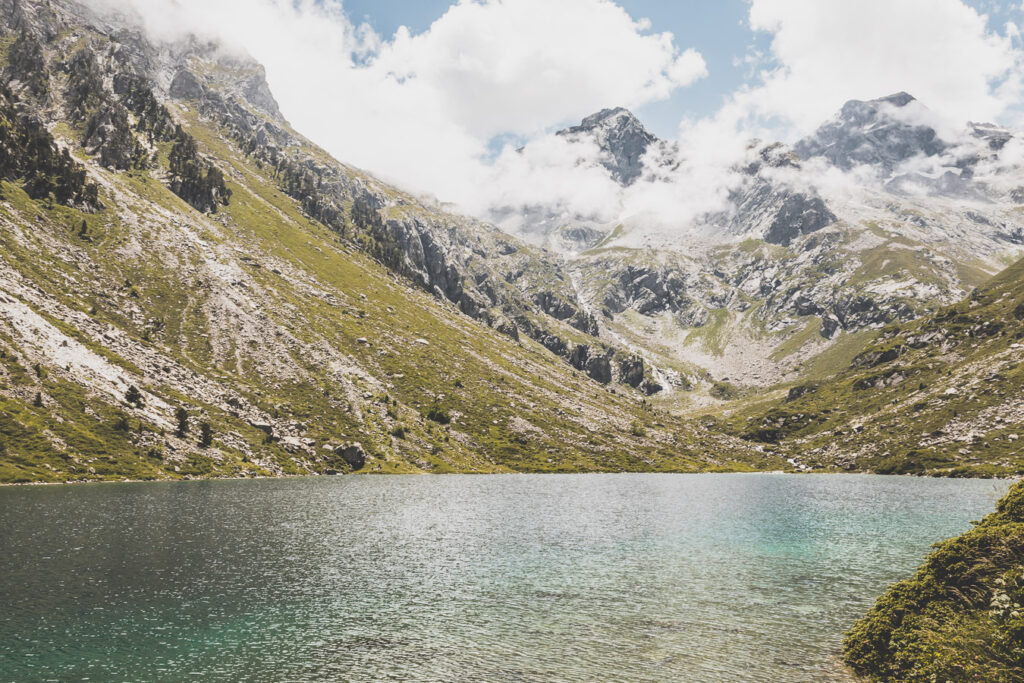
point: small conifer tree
(205, 435)
(133, 396)
(181, 415)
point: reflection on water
(460, 578)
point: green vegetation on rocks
(960, 617)
(29, 155)
(940, 395)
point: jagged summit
(621, 136)
(866, 112)
(610, 116)
(900, 99)
(868, 132)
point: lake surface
(460, 578)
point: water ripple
(482, 578)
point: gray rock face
(621, 137)
(798, 214)
(507, 328)
(647, 291)
(631, 371)
(575, 238)
(597, 366)
(257, 93)
(186, 86)
(870, 133)
(651, 291)
(778, 213)
(767, 208)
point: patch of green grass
(712, 337)
(839, 355)
(797, 339)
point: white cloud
(518, 66)
(421, 109)
(826, 52)
(561, 175)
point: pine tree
(205, 435)
(133, 396)
(181, 415)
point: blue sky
(718, 29)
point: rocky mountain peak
(617, 117)
(865, 113)
(900, 99)
(622, 138)
(868, 132)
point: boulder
(631, 371)
(353, 454)
(265, 427)
(650, 387)
(507, 328)
(292, 444)
(600, 368)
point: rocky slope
(874, 218)
(190, 288)
(940, 395)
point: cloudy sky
(435, 95)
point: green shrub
(959, 617)
(439, 415)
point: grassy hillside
(960, 617)
(143, 337)
(941, 395)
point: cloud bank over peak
(427, 110)
(423, 110)
(826, 52)
(517, 66)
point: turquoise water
(459, 578)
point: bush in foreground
(960, 617)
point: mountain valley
(192, 288)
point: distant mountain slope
(942, 395)
(872, 133)
(872, 219)
(229, 300)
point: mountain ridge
(194, 165)
(235, 306)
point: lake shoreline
(284, 477)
